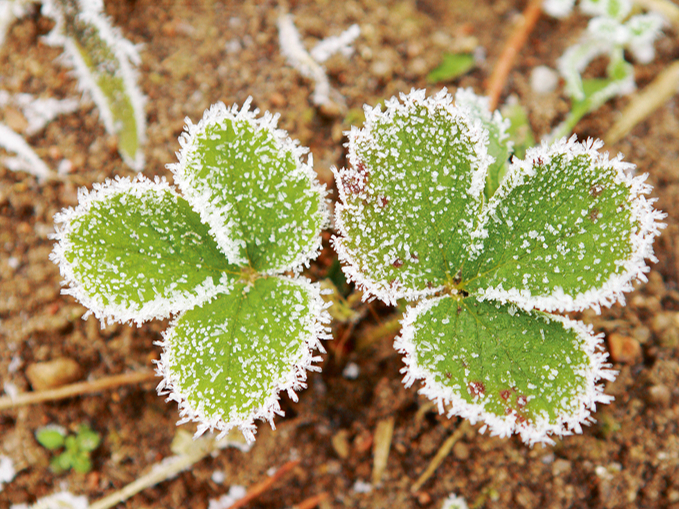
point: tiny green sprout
(77, 448)
(222, 259)
(610, 33)
(432, 211)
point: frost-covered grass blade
(519, 372)
(104, 62)
(227, 360)
(247, 179)
(410, 199)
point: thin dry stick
(157, 475)
(514, 44)
(311, 502)
(645, 102)
(374, 333)
(440, 456)
(259, 488)
(664, 7)
(68, 391)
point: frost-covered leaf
(644, 29)
(521, 372)
(410, 198)
(568, 229)
(135, 250)
(104, 64)
(247, 179)
(615, 9)
(226, 361)
(499, 144)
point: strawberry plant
(222, 258)
(488, 252)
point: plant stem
(645, 102)
(512, 48)
(68, 391)
(440, 456)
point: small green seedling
(77, 448)
(432, 211)
(220, 258)
(610, 33)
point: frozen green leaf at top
(568, 229)
(135, 250)
(248, 181)
(521, 372)
(104, 64)
(499, 145)
(226, 361)
(411, 197)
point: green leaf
(568, 229)
(247, 180)
(521, 372)
(103, 61)
(411, 196)
(61, 463)
(51, 437)
(226, 361)
(135, 250)
(519, 131)
(81, 462)
(453, 66)
(499, 145)
(87, 439)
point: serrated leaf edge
(125, 52)
(294, 380)
(213, 216)
(478, 135)
(130, 312)
(452, 404)
(642, 237)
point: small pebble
(54, 373)
(362, 487)
(340, 443)
(543, 80)
(461, 451)
(351, 371)
(659, 395)
(218, 477)
(624, 349)
(560, 466)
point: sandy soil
(197, 53)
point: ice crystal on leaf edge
(643, 227)
(178, 304)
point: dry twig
(512, 48)
(440, 456)
(68, 391)
(663, 87)
(311, 502)
(259, 488)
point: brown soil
(629, 458)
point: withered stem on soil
(664, 7)
(159, 473)
(383, 436)
(663, 87)
(445, 449)
(259, 488)
(68, 391)
(311, 502)
(512, 48)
